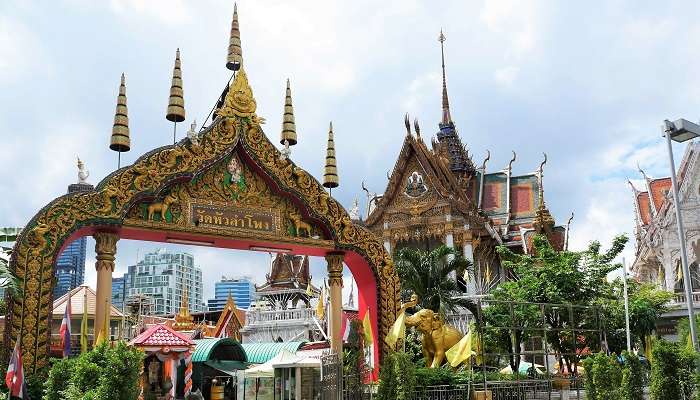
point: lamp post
(680, 131)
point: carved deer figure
(295, 217)
(161, 207)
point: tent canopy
(524, 367)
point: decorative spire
(120, 130)
(176, 103)
(183, 319)
(543, 222)
(446, 117)
(330, 172)
(83, 174)
(289, 128)
(235, 54)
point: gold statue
(161, 208)
(438, 336)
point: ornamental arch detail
(226, 187)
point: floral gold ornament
(194, 174)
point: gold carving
(106, 248)
(161, 207)
(239, 100)
(335, 269)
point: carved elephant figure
(438, 336)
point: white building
(656, 235)
(163, 276)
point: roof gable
(161, 335)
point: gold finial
(120, 130)
(239, 100)
(330, 172)
(235, 54)
(543, 222)
(289, 128)
(176, 103)
(446, 117)
(183, 319)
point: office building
(241, 289)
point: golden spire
(183, 319)
(235, 54)
(289, 128)
(543, 222)
(176, 103)
(120, 130)
(239, 100)
(330, 172)
(446, 117)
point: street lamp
(680, 131)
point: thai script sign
(238, 218)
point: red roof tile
(659, 189)
(644, 207)
(161, 335)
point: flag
(309, 290)
(346, 326)
(461, 351)
(84, 326)
(65, 330)
(367, 329)
(108, 316)
(320, 308)
(14, 378)
(397, 331)
(647, 347)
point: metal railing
(443, 392)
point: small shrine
(166, 352)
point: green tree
(429, 274)
(646, 305)
(632, 385)
(8, 280)
(574, 278)
(397, 377)
(664, 371)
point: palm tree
(8, 280)
(431, 276)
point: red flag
(14, 379)
(346, 325)
(65, 328)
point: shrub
(664, 371)
(603, 377)
(59, 376)
(435, 376)
(397, 377)
(632, 387)
(387, 379)
(687, 376)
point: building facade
(241, 289)
(70, 264)
(163, 276)
(657, 250)
(119, 292)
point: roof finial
(407, 122)
(83, 174)
(120, 141)
(235, 54)
(289, 128)
(176, 102)
(446, 117)
(330, 172)
(417, 128)
(544, 222)
(183, 319)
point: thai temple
(437, 194)
(657, 248)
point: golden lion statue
(438, 336)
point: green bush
(105, 373)
(397, 377)
(687, 375)
(435, 376)
(603, 377)
(632, 387)
(664, 371)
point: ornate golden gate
(227, 187)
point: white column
(468, 252)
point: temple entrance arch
(226, 187)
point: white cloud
(506, 75)
(19, 50)
(169, 12)
(516, 20)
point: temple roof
(288, 272)
(161, 335)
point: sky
(589, 84)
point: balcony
(679, 299)
(290, 316)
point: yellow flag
(367, 328)
(320, 308)
(461, 351)
(84, 326)
(309, 291)
(398, 331)
(108, 316)
(100, 338)
(689, 342)
(647, 347)
(679, 272)
(488, 274)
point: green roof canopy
(225, 349)
(259, 353)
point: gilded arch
(151, 179)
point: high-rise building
(163, 276)
(70, 264)
(241, 289)
(119, 292)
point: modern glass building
(163, 276)
(241, 289)
(119, 292)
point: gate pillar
(335, 282)
(106, 249)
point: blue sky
(588, 84)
